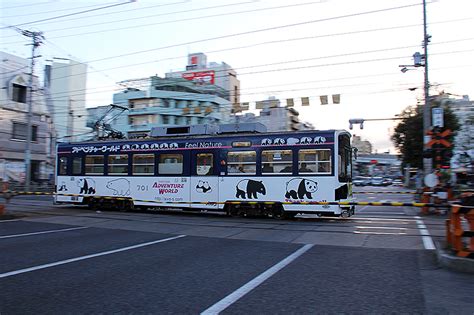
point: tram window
(204, 162)
(118, 164)
(77, 166)
(242, 162)
(170, 164)
(314, 161)
(62, 166)
(277, 162)
(94, 165)
(143, 164)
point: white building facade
(65, 81)
(14, 98)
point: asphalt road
(58, 260)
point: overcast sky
(286, 49)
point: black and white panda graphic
(266, 141)
(298, 188)
(203, 187)
(279, 141)
(306, 140)
(87, 186)
(250, 187)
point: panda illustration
(319, 140)
(135, 147)
(87, 185)
(298, 188)
(249, 187)
(266, 141)
(203, 187)
(154, 146)
(292, 141)
(279, 141)
(306, 140)
(145, 146)
(173, 145)
(164, 146)
(126, 147)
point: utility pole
(37, 38)
(427, 163)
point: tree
(408, 135)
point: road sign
(431, 180)
(438, 117)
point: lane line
(5, 221)
(427, 240)
(252, 284)
(67, 261)
(362, 209)
(44, 232)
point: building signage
(201, 77)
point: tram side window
(62, 166)
(94, 165)
(77, 166)
(118, 164)
(143, 164)
(241, 162)
(170, 164)
(314, 161)
(204, 162)
(277, 162)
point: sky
(285, 49)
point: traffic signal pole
(427, 163)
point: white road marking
(252, 284)
(362, 209)
(67, 261)
(427, 240)
(5, 221)
(44, 232)
(382, 212)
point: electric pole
(427, 163)
(37, 38)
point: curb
(449, 261)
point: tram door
(204, 179)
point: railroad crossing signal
(439, 138)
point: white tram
(247, 172)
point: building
(14, 96)
(219, 74)
(463, 152)
(65, 81)
(363, 146)
(274, 117)
(155, 101)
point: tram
(236, 169)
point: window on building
(277, 162)
(170, 164)
(19, 93)
(143, 164)
(314, 161)
(118, 164)
(62, 165)
(20, 131)
(165, 119)
(204, 163)
(94, 165)
(77, 166)
(241, 162)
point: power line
(295, 68)
(26, 5)
(258, 31)
(75, 13)
(51, 11)
(172, 21)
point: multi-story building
(219, 74)
(65, 81)
(363, 146)
(463, 153)
(156, 101)
(14, 98)
(275, 117)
